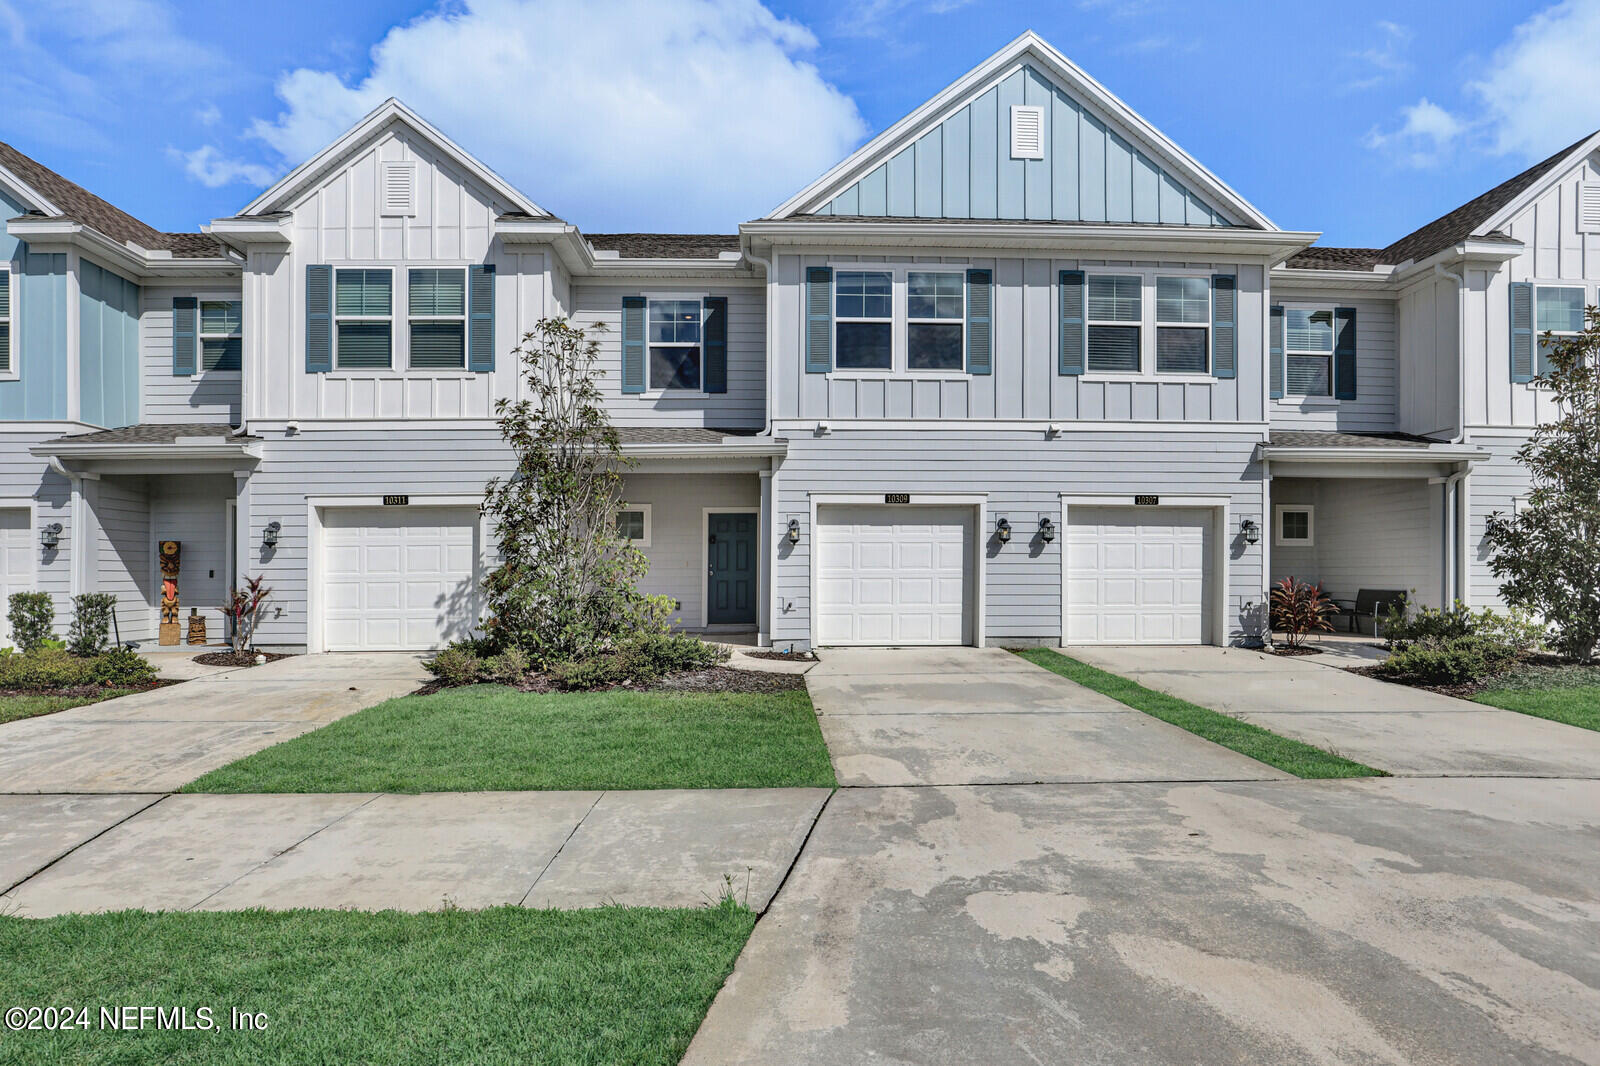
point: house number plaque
(396, 501)
(1147, 501)
(897, 497)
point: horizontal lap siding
(24, 477)
(677, 538)
(1023, 475)
(194, 512)
(1497, 482)
(1373, 409)
(124, 565)
(1377, 533)
(206, 397)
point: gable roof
(665, 245)
(1031, 49)
(356, 137)
(1322, 258)
(56, 197)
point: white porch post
(764, 529)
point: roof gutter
(578, 256)
(1453, 452)
(766, 271)
(707, 451)
(1279, 244)
(141, 262)
(56, 452)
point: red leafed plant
(244, 608)
(1300, 609)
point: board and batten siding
(38, 392)
(1368, 533)
(743, 406)
(1373, 409)
(1025, 383)
(207, 396)
(108, 347)
(1023, 475)
(1429, 327)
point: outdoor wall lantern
(1002, 531)
(1251, 531)
(269, 535)
(1047, 529)
(794, 531)
(50, 536)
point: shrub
(46, 668)
(91, 623)
(121, 668)
(576, 675)
(507, 668)
(670, 653)
(1299, 609)
(1450, 661)
(30, 615)
(1516, 629)
(455, 665)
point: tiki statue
(169, 591)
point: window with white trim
(363, 316)
(936, 320)
(1308, 351)
(1116, 323)
(863, 320)
(8, 366)
(436, 308)
(674, 341)
(1183, 325)
(633, 524)
(221, 334)
(1296, 525)
(1557, 310)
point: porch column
(764, 563)
(1464, 548)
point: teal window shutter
(1275, 354)
(319, 319)
(819, 320)
(632, 344)
(1522, 369)
(1344, 353)
(714, 376)
(980, 322)
(1224, 326)
(184, 317)
(1073, 334)
(480, 323)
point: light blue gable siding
(39, 340)
(108, 345)
(963, 168)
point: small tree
(90, 631)
(244, 610)
(30, 615)
(567, 583)
(1547, 556)
(1299, 609)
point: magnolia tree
(1547, 555)
(567, 584)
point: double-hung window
(8, 366)
(864, 320)
(1115, 320)
(675, 344)
(363, 311)
(1183, 325)
(936, 312)
(221, 334)
(436, 305)
(1558, 310)
(1308, 351)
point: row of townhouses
(1018, 370)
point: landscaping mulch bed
(1303, 650)
(1535, 672)
(783, 656)
(228, 658)
(714, 679)
(84, 691)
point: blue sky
(1362, 120)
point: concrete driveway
(1392, 727)
(951, 716)
(159, 741)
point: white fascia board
(578, 256)
(259, 230)
(36, 200)
(50, 234)
(391, 110)
(1491, 254)
(1538, 188)
(250, 452)
(1029, 45)
(707, 451)
(1057, 236)
(1381, 279)
(1452, 453)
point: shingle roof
(677, 434)
(1458, 225)
(80, 205)
(1062, 223)
(665, 245)
(155, 433)
(1302, 438)
(1318, 258)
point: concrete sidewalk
(1406, 731)
(405, 852)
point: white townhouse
(1020, 369)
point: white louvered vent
(1589, 206)
(1027, 132)
(399, 188)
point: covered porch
(1368, 513)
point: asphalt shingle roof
(1318, 258)
(155, 433)
(1303, 438)
(677, 434)
(665, 245)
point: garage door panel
(1136, 577)
(397, 579)
(894, 575)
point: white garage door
(1138, 575)
(16, 562)
(894, 575)
(398, 579)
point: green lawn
(490, 738)
(1290, 756)
(507, 985)
(1567, 694)
(14, 708)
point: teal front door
(731, 580)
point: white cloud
(209, 115)
(210, 168)
(1543, 87)
(1425, 136)
(684, 114)
(1383, 58)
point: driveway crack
(89, 840)
(523, 902)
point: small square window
(1296, 528)
(633, 525)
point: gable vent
(399, 188)
(1027, 132)
(1589, 206)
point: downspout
(766, 627)
(1460, 514)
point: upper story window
(864, 320)
(363, 311)
(675, 344)
(8, 366)
(1308, 351)
(936, 315)
(221, 334)
(436, 307)
(1183, 325)
(1116, 323)
(1558, 310)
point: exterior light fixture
(50, 536)
(794, 531)
(269, 535)
(1047, 529)
(1251, 531)
(1002, 531)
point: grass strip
(16, 708)
(1578, 706)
